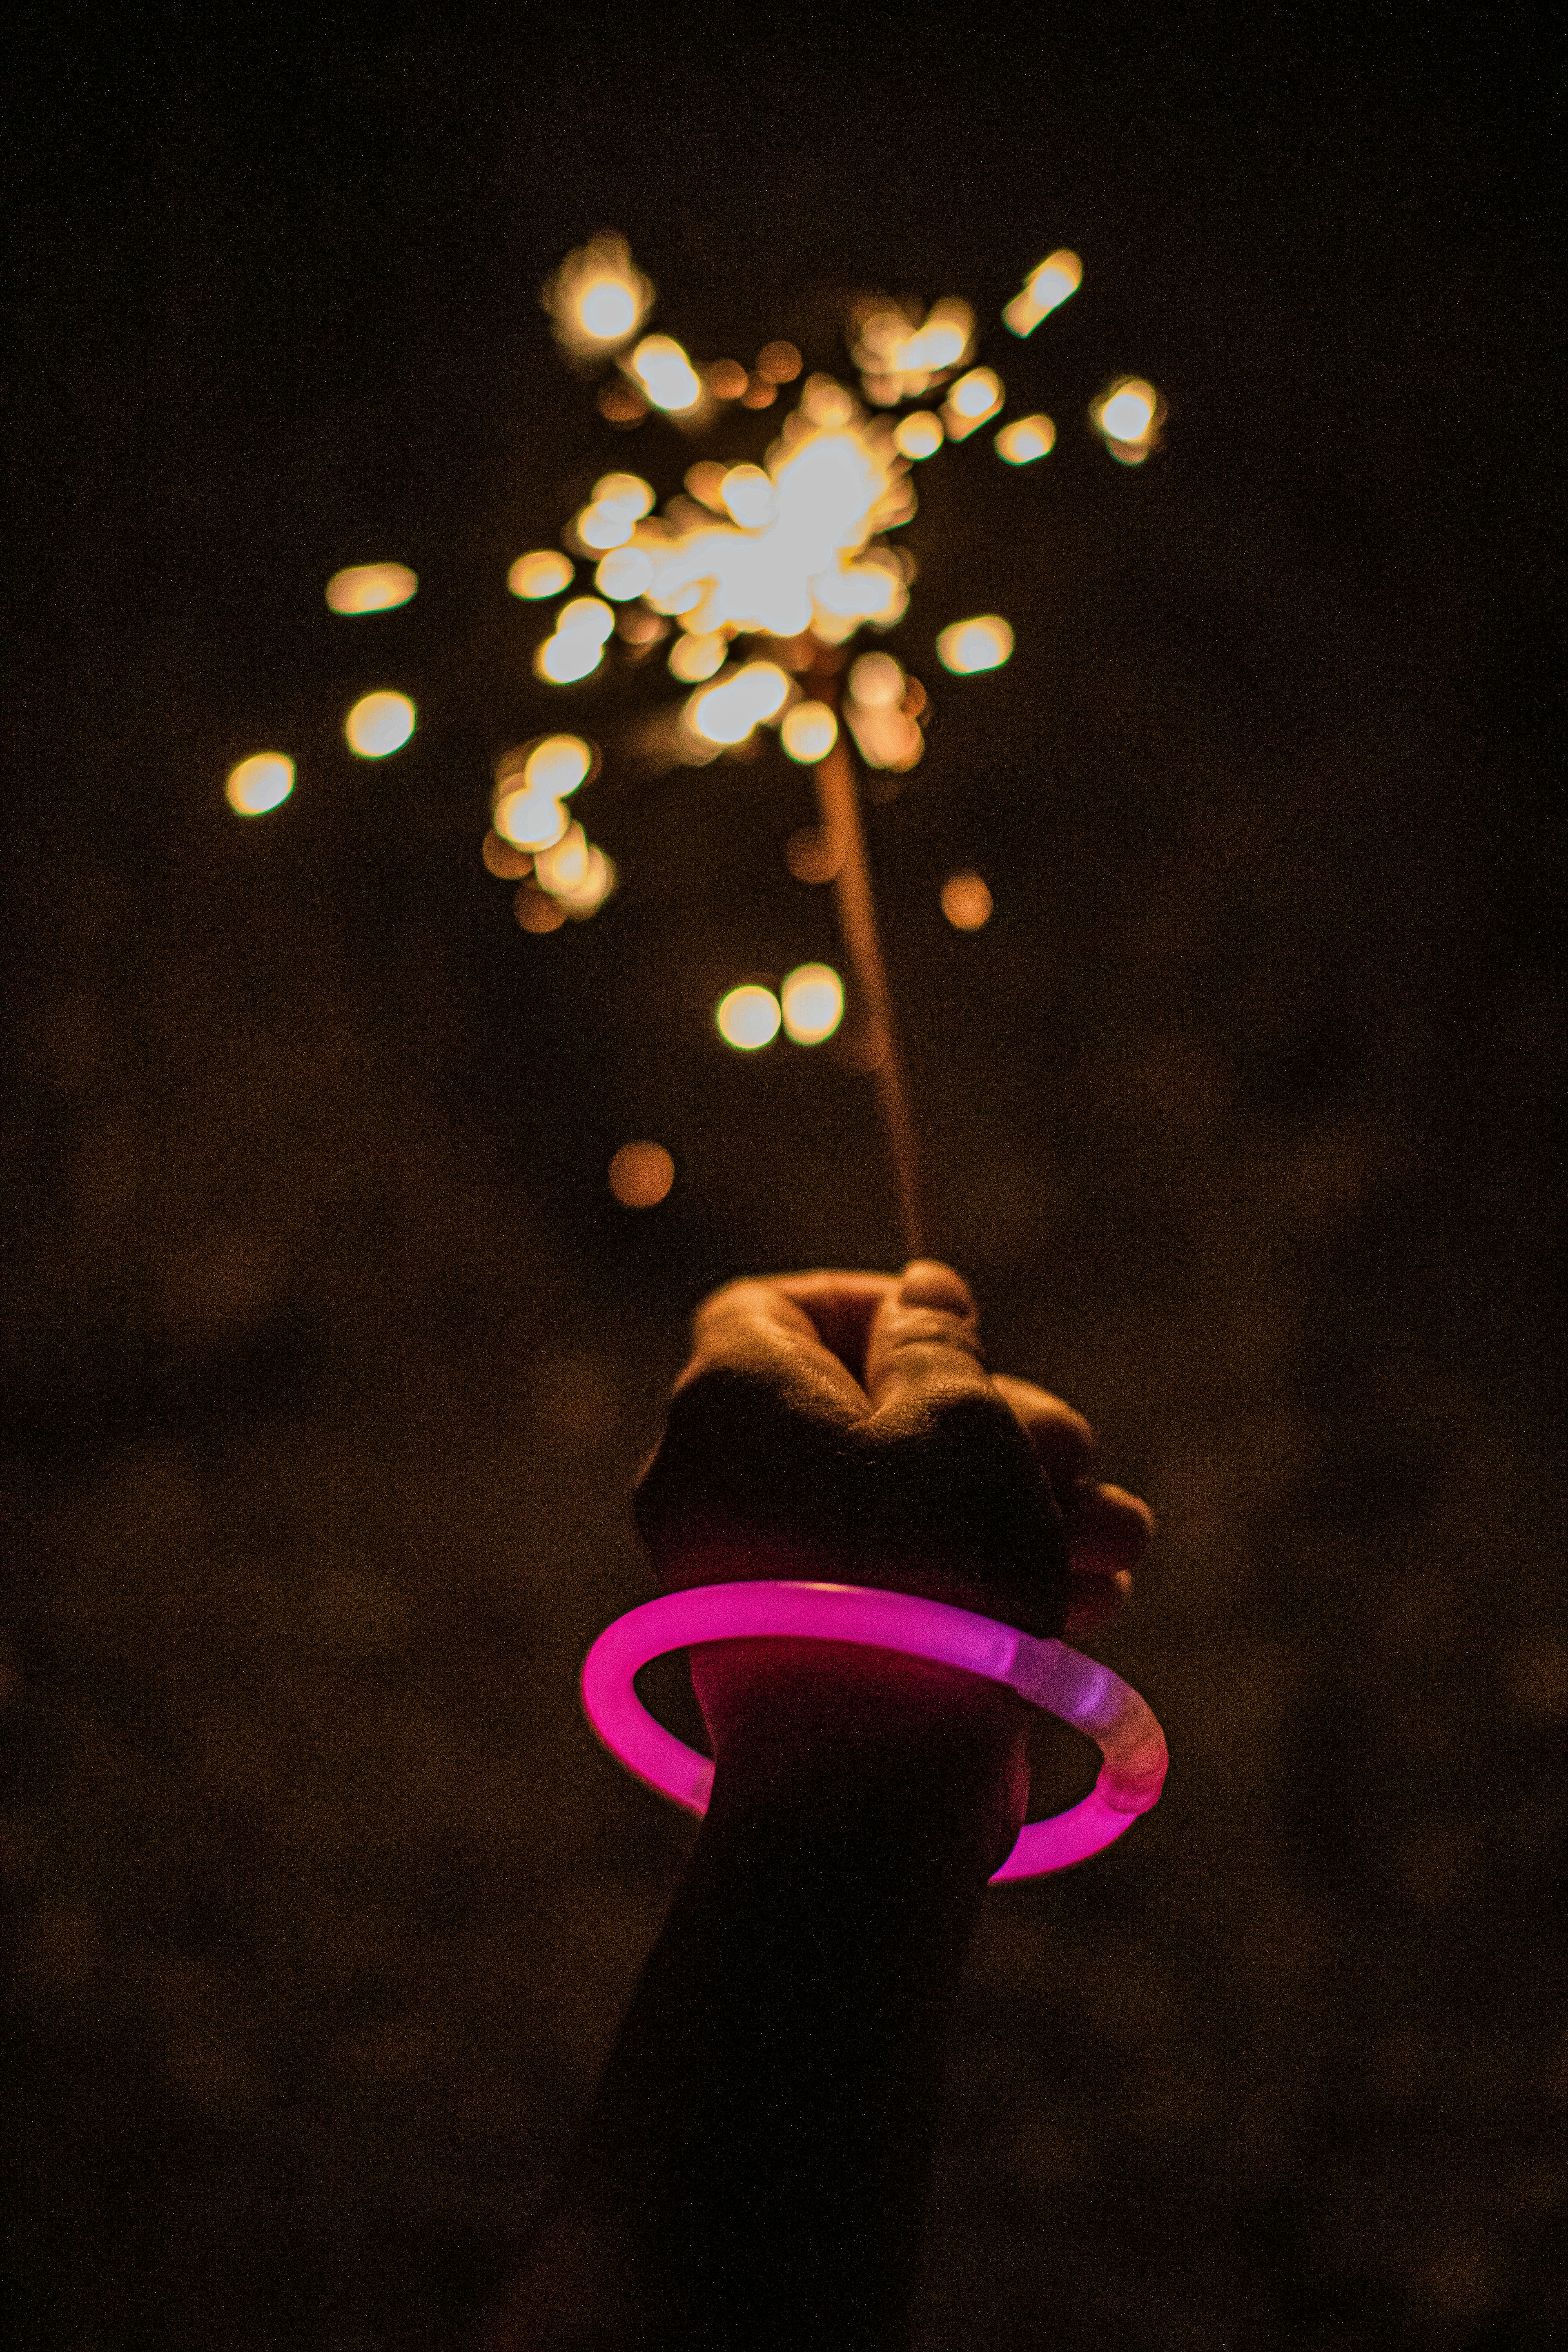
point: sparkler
(760, 575)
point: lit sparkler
(762, 573)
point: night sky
(332, 1357)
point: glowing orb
(261, 783)
(558, 765)
(371, 587)
(666, 375)
(809, 731)
(966, 902)
(973, 398)
(641, 1175)
(919, 434)
(1048, 286)
(748, 1018)
(379, 724)
(1129, 418)
(970, 645)
(529, 820)
(1028, 438)
(542, 574)
(812, 1000)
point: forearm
(756, 2165)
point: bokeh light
(597, 298)
(920, 434)
(576, 649)
(624, 574)
(557, 765)
(693, 659)
(641, 1175)
(263, 782)
(597, 882)
(973, 398)
(727, 380)
(778, 363)
(563, 866)
(530, 819)
(379, 724)
(1026, 438)
(809, 731)
(542, 574)
(1128, 417)
(812, 1002)
(536, 910)
(1047, 286)
(812, 854)
(970, 645)
(507, 864)
(371, 587)
(727, 711)
(966, 902)
(749, 1018)
(666, 375)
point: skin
(753, 2169)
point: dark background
(333, 1357)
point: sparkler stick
(857, 909)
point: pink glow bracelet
(1047, 1673)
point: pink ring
(1047, 1673)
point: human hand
(842, 1427)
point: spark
(971, 646)
(371, 587)
(379, 724)
(1045, 289)
(260, 784)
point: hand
(843, 1427)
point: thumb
(924, 1340)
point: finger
(843, 1307)
(1107, 1531)
(1062, 1439)
(758, 1328)
(924, 1339)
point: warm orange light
(603, 527)
(966, 902)
(371, 587)
(597, 298)
(1128, 417)
(808, 732)
(627, 491)
(1028, 438)
(727, 380)
(536, 910)
(970, 645)
(507, 864)
(564, 659)
(624, 574)
(693, 659)
(748, 1018)
(898, 360)
(542, 574)
(379, 724)
(812, 1002)
(563, 866)
(748, 493)
(920, 434)
(973, 398)
(812, 855)
(727, 711)
(261, 783)
(879, 716)
(558, 764)
(530, 819)
(641, 1175)
(778, 363)
(666, 375)
(1046, 288)
(877, 678)
(581, 899)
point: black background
(334, 1357)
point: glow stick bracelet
(1047, 1673)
